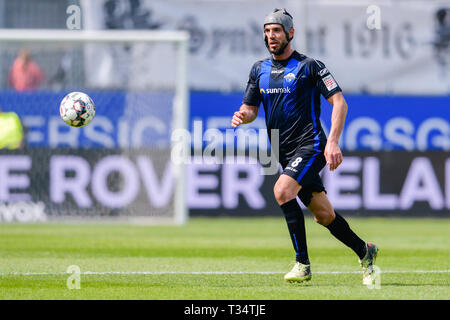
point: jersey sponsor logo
(289, 77)
(323, 72)
(275, 90)
(277, 71)
(329, 82)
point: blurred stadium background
(396, 79)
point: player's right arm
(252, 99)
(246, 114)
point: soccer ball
(77, 109)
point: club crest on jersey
(289, 77)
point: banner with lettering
(383, 47)
(127, 119)
(46, 184)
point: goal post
(138, 81)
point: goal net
(119, 166)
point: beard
(277, 51)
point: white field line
(208, 272)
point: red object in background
(25, 74)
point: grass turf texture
(220, 245)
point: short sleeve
(252, 96)
(323, 79)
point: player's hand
(238, 118)
(333, 155)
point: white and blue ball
(77, 109)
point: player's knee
(283, 194)
(324, 217)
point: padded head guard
(280, 16)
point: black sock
(296, 225)
(341, 230)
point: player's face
(276, 38)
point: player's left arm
(324, 81)
(333, 153)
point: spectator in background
(11, 131)
(25, 74)
(442, 39)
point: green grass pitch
(224, 258)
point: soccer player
(289, 85)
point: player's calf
(295, 221)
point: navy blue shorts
(304, 167)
